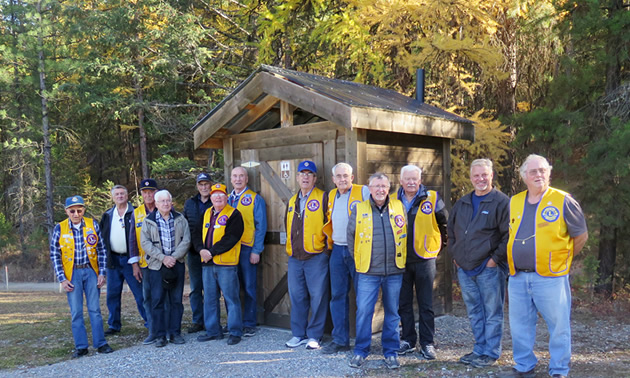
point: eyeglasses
(122, 222)
(306, 174)
(339, 177)
(381, 187)
(532, 172)
(78, 211)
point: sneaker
(356, 361)
(225, 331)
(233, 340)
(111, 331)
(483, 361)
(312, 344)
(468, 358)
(405, 348)
(249, 331)
(518, 374)
(161, 342)
(80, 353)
(105, 349)
(205, 337)
(392, 362)
(296, 342)
(194, 328)
(149, 340)
(428, 352)
(333, 348)
(177, 339)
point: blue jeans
(196, 287)
(367, 295)
(309, 292)
(484, 296)
(529, 294)
(167, 322)
(421, 275)
(217, 279)
(84, 281)
(116, 276)
(146, 296)
(342, 275)
(247, 276)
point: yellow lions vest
(356, 197)
(363, 234)
(554, 245)
(314, 238)
(138, 215)
(427, 240)
(66, 242)
(246, 207)
(230, 257)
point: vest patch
(550, 214)
(354, 204)
(246, 200)
(139, 224)
(222, 220)
(313, 205)
(91, 239)
(427, 207)
(400, 220)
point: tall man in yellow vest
(377, 238)
(219, 246)
(547, 228)
(254, 211)
(137, 256)
(308, 261)
(116, 230)
(79, 259)
(342, 270)
(427, 219)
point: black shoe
(194, 328)
(225, 331)
(161, 342)
(483, 361)
(333, 348)
(150, 340)
(79, 353)
(468, 358)
(233, 340)
(558, 376)
(111, 331)
(405, 347)
(518, 374)
(249, 331)
(177, 339)
(205, 337)
(105, 349)
(428, 352)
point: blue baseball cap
(74, 201)
(307, 165)
(203, 177)
(148, 184)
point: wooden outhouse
(278, 117)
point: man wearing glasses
(308, 262)
(79, 259)
(117, 226)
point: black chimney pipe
(420, 84)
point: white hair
(345, 165)
(411, 167)
(529, 159)
(162, 193)
(482, 163)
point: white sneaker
(296, 342)
(312, 344)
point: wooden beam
(408, 123)
(254, 112)
(307, 99)
(252, 171)
(286, 114)
(276, 295)
(276, 182)
(228, 110)
(215, 143)
(228, 159)
(309, 133)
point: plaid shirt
(167, 233)
(80, 252)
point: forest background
(97, 92)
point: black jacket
(106, 223)
(195, 218)
(471, 241)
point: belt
(526, 270)
(82, 266)
(121, 253)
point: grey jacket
(152, 245)
(383, 261)
(471, 241)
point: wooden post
(6, 276)
(286, 114)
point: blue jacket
(193, 212)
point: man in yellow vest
(308, 262)
(253, 208)
(547, 228)
(137, 256)
(79, 259)
(427, 217)
(377, 238)
(219, 247)
(342, 270)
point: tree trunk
(142, 132)
(607, 255)
(45, 125)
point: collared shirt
(80, 252)
(303, 199)
(260, 218)
(167, 233)
(408, 203)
